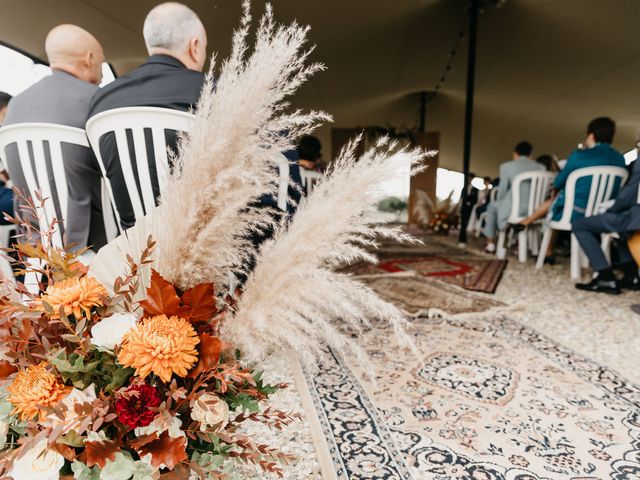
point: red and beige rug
(466, 271)
(490, 399)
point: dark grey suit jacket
(64, 99)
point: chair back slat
(136, 119)
(30, 140)
(309, 179)
(603, 181)
(538, 183)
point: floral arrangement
(440, 222)
(145, 363)
(439, 215)
(101, 386)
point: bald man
(76, 58)
(170, 78)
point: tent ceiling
(545, 67)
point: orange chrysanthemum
(76, 295)
(33, 388)
(160, 345)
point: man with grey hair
(170, 78)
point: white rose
(38, 463)
(209, 410)
(109, 331)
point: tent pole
(471, 73)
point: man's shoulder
(58, 98)
(149, 85)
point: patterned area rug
(418, 295)
(469, 272)
(490, 400)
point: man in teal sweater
(598, 152)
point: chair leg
(535, 240)
(576, 270)
(546, 240)
(522, 247)
(501, 251)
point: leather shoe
(630, 283)
(597, 285)
(550, 260)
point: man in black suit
(622, 218)
(170, 78)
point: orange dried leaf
(165, 450)
(6, 369)
(209, 351)
(161, 297)
(97, 453)
(199, 303)
(139, 442)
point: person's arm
(561, 178)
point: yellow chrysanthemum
(33, 388)
(76, 295)
(160, 345)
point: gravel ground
(598, 326)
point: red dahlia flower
(133, 405)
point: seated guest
(4, 103)
(309, 152)
(622, 218)
(498, 211)
(170, 78)
(598, 152)
(75, 57)
(550, 162)
(551, 165)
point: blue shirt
(601, 155)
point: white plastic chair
(539, 184)
(603, 180)
(158, 121)
(309, 179)
(493, 195)
(137, 119)
(36, 136)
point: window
(19, 71)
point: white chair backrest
(137, 120)
(30, 140)
(603, 180)
(309, 179)
(538, 183)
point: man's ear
(88, 59)
(194, 46)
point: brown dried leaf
(166, 450)
(97, 453)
